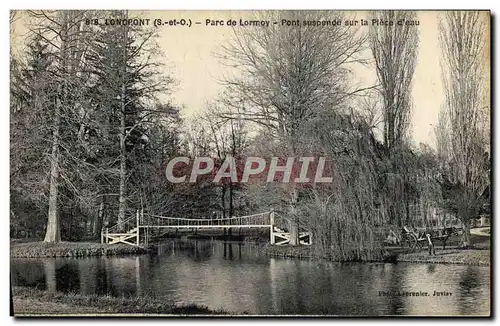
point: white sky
(191, 54)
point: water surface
(236, 278)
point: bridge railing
(260, 219)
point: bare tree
(286, 74)
(95, 70)
(394, 49)
(13, 16)
(463, 121)
(125, 64)
(228, 138)
(64, 32)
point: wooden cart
(418, 238)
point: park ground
(480, 255)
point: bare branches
(462, 120)
(462, 146)
(287, 74)
(75, 79)
(395, 51)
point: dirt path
(481, 231)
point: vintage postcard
(250, 163)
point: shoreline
(34, 302)
(474, 257)
(41, 249)
(471, 257)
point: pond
(237, 278)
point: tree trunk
(407, 209)
(123, 165)
(223, 202)
(294, 231)
(327, 243)
(231, 209)
(53, 233)
(466, 241)
(294, 225)
(99, 219)
(231, 212)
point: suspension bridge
(136, 229)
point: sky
(190, 56)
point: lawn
(70, 249)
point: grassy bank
(30, 301)
(70, 249)
(313, 252)
(448, 256)
(480, 255)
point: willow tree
(285, 74)
(463, 130)
(345, 215)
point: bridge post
(271, 228)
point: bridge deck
(131, 228)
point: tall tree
(68, 106)
(65, 33)
(122, 64)
(287, 74)
(32, 98)
(228, 138)
(125, 91)
(394, 49)
(463, 129)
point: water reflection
(469, 290)
(396, 280)
(28, 273)
(237, 278)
